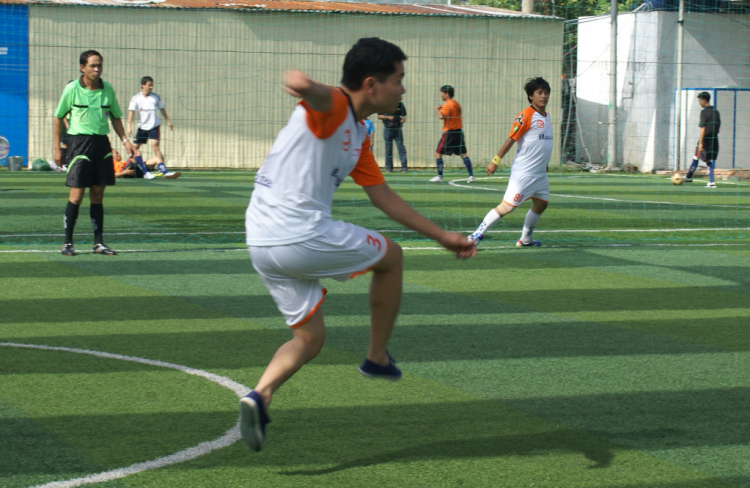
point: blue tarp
(14, 78)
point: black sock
(97, 220)
(69, 221)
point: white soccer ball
(677, 179)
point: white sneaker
(148, 176)
(437, 179)
(171, 175)
(710, 185)
(470, 180)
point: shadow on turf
(542, 444)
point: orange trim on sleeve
(324, 124)
(540, 199)
(367, 172)
(312, 312)
(521, 124)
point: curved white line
(231, 436)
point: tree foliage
(567, 9)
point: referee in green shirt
(91, 103)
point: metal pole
(612, 135)
(678, 102)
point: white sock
(489, 220)
(528, 226)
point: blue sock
(467, 163)
(162, 167)
(440, 166)
(692, 169)
(141, 164)
(711, 171)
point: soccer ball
(677, 179)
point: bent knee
(393, 259)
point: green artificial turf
(561, 367)
(205, 209)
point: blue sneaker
(253, 420)
(374, 370)
(533, 243)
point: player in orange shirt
(452, 141)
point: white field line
(415, 248)
(231, 436)
(557, 231)
(603, 199)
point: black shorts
(710, 149)
(89, 160)
(452, 142)
(142, 136)
(138, 173)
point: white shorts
(292, 272)
(524, 187)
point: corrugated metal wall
(219, 72)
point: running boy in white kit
(532, 130)
(292, 238)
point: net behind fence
(218, 69)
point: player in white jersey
(146, 103)
(292, 238)
(532, 130)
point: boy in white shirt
(532, 129)
(294, 241)
(146, 103)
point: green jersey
(90, 110)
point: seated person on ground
(135, 167)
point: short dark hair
(447, 89)
(85, 55)
(146, 79)
(370, 56)
(705, 96)
(533, 84)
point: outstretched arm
(117, 126)
(492, 166)
(56, 151)
(317, 95)
(388, 201)
(166, 117)
(130, 123)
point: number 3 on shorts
(374, 242)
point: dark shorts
(133, 166)
(710, 149)
(89, 160)
(142, 136)
(452, 142)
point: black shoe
(388, 170)
(404, 170)
(103, 249)
(68, 250)
(253, 420)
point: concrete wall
(716, 52)
(219, 72)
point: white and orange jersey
(311, 156)
(533, 133)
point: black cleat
(68, 250)
(103, 249)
